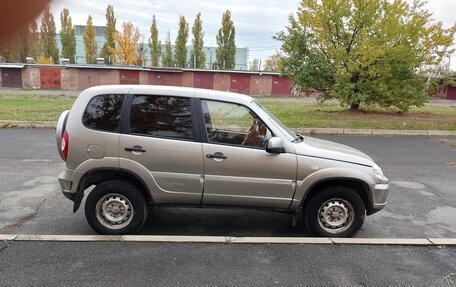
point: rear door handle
(217, 155)
(135, 148)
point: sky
(256, 21)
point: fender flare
(82, 186)
(305, 186)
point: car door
(238, 170)
(160, 143)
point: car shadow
(236, 222)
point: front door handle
(135, 148)
(217, 155)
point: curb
(305, 131)
(27, 124)
(232, 240)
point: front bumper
(380, 196)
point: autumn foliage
(90, 43)
(126, 41)
(363, 52)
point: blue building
(79, 32)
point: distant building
(241, 53)
(79, 31)
(240, 64)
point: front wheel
(335, 212)
(115, 207)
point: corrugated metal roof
(88, 66)
(138, 68)
(13, 66)
(234, 71)
(106, 67)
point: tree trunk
(354, 80)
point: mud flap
(77, 200)
(295, 216)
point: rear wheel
(335, 212)
(115, 207)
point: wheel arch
(359, 186)
(99, 175)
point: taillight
(64, 146)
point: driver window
(229, 123)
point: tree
(197, 56)
(180, 49)
(154, 44)
(272, 63)
(168, 60)
(255, 65)
(33, 40)
(109, 36)
(141, 55)
(306, 67)
(363, 52)
(90, 44)
(226, 50)
(10, 50)
(67, 36)
(25, 44)
(126, 41)
(47, 36)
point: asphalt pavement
(422, 204)
(143, 264)
(422, 200)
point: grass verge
(309, 115)
(33, 107)
(294, 112)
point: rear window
(103, 113)
(161, 116)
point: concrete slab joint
(8, 237)
(443, 241)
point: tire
(115, 207)
(335, 212)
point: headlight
(378, 172)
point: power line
(264, 49)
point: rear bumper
(69, 181)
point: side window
(229, 123)
(103, 113)
(161, 116)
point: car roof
(170, 91)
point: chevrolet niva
(133, 147)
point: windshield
(286, 131)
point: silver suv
(135, 147)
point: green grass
(294, 112)
(33, 107)
(331, 115)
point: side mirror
(275, 145)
